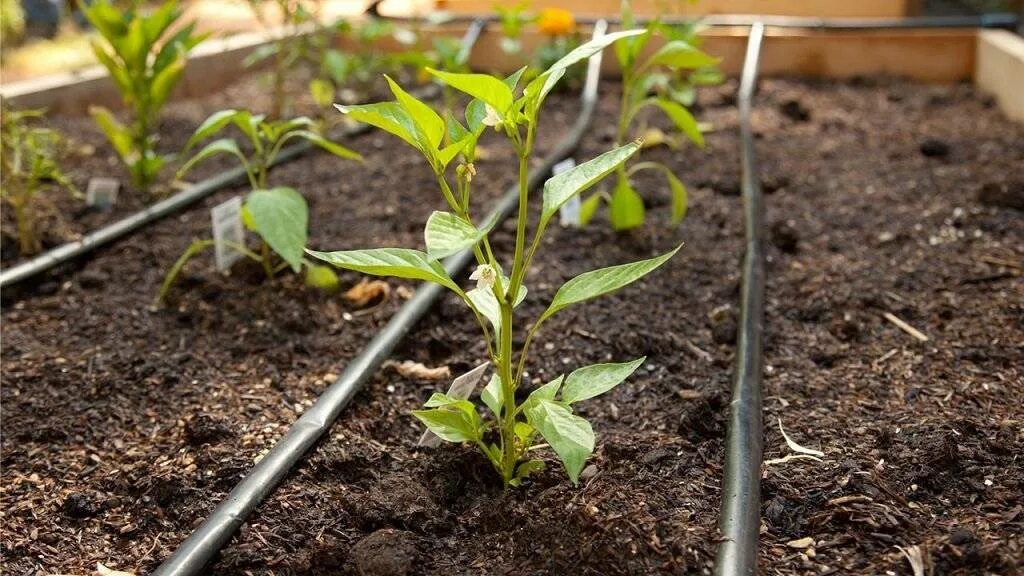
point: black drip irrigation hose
(740, 518)
(202, 545)
(187, 197)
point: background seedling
(146, 67)
(663, 80)
(278, 215)
(511, 433)
(30, 166)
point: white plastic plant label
(102, 192)
(569, 213)
(227, 232)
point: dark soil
(124, 427)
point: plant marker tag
(460, 389)
(102, 192)
(227, 230)
(568, 213)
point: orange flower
(556, 22)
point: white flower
(484, 276)
(491, 117)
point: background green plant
(664, 80)
(508, 436)
(146, 67)
(278, 215)
(30, 162)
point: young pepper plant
(278, 215)
(509, 436)
(658, 81)
(146, 68)
(30, 165)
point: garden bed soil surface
(123, 427)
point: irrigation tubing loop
(203, 544)
(183, 199)
(740, 519)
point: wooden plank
(1000, 70)
(645, 8)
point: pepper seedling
(510, 435)
(30, 166)
(145, 70)
(278, 215)
(663, 80)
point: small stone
(961, 537)
(589, 472)
(80, 505)
(92, 279)
(795, 110)
(205, 428)
(934, 148)
(386, 552)
(785, 236)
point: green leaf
(525, 469)
(165, 81)
(221, 146)
(322, 277)
(487, 304)
(588, 208)
(215, 123)
(596, 379)
(603, 281)
(430, 126)
(332, 147)
(683, 120)
(681, 55)
(260, 54)
(480, 86)
(626, 208)
(388, 116)
(455, 421)
(117, 72)
(491, 395)
(119, 135)
(679, 196)
(545, 392)
(281, 218)
(396, 262)
(561, 187)
(539, 88)
(570, 436)
(448, 234)
(322, 92)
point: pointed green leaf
(322, 277)
(539, 88)
(397, 262)
(683, 120)
(325, 144)
(561, 187)
(570, 436)
(480, 86)
(221, 146)
(599, 282)
(492, 396)
(448, 234)
(486, 303)
(679, 196)
(545, 392)
(281, 218)
(525, 469)
(215, 123)
(118, 134)
(165, 81)
(588, 208)
(388, 116)
(596, 379)
(679, 54)
(456, 421)
(626, 208)
(430, 126)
